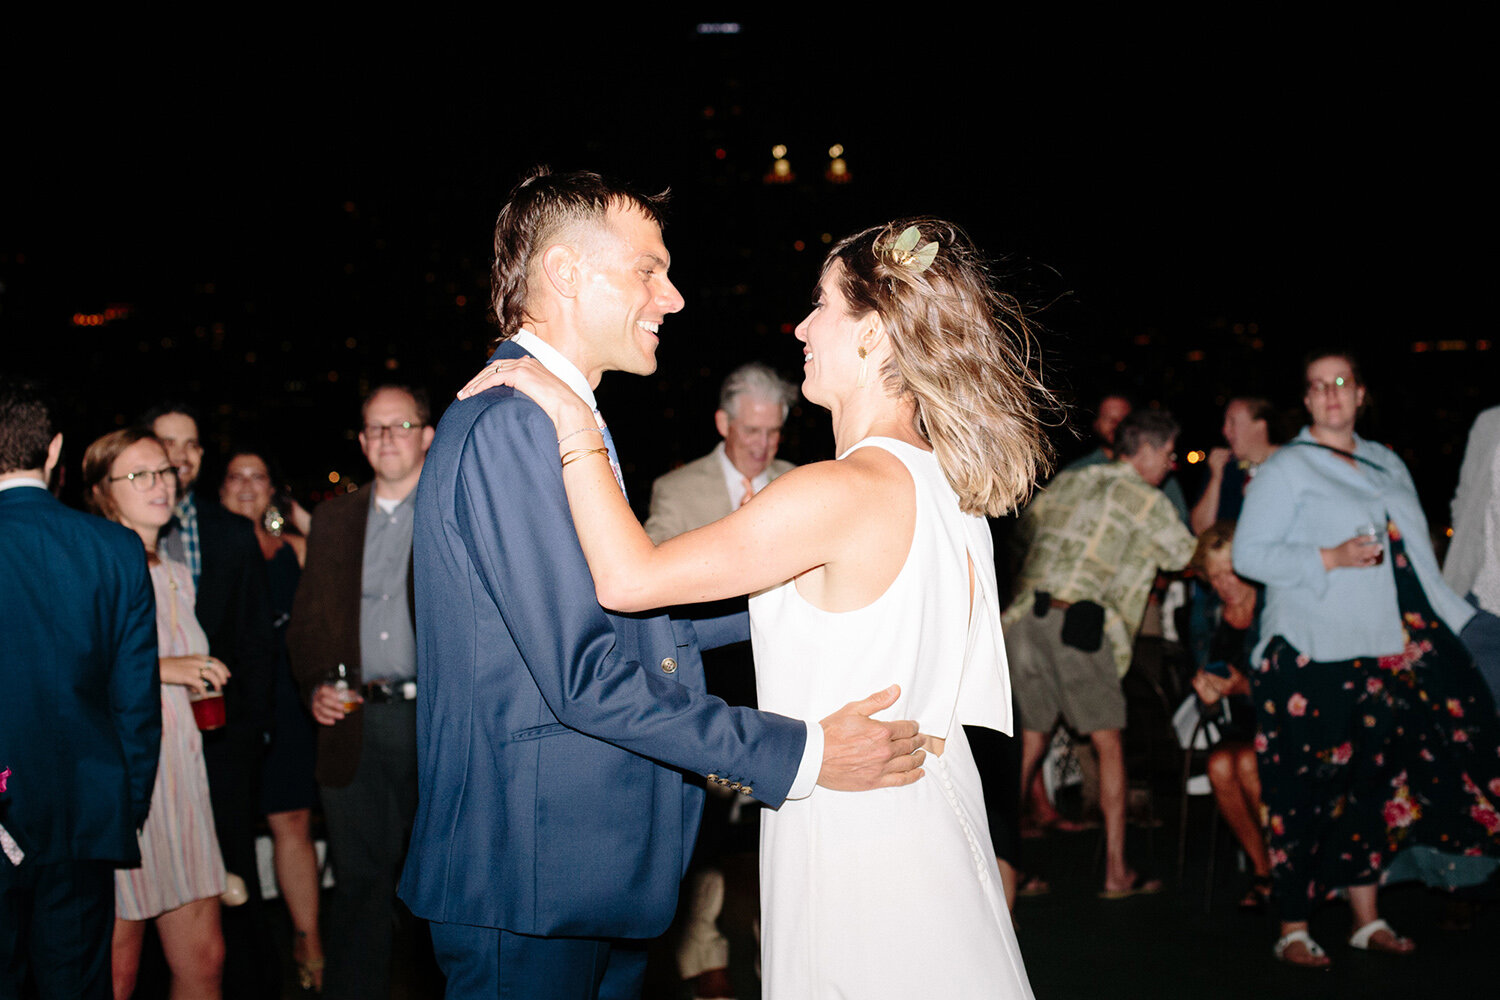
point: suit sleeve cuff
(812, 763)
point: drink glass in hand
(208, 707)
(1371, 533)
(338, 679)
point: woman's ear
(872, 332)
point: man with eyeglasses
(80, 715)
(355, 610)
(234, 607)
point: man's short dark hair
(1258, 408)
(26, 425)
(418, 395)
(167, 406)
(1153, 427)
(537, 208)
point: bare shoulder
(869, 485)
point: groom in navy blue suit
(556, 740)
(80, 714)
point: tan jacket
(694, 495)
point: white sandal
(1361, 938)
(1303, 938)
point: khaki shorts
(1052, 679)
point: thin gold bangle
(577, 453)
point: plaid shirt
(1100, 533)
(186, 544)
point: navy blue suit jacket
(80, 697)
(554, 739)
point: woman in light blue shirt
(1375, 733)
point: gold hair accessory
(904, 252)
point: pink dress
(180, 860)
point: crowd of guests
(1357, 741)
(230, 721)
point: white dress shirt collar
(734, 479)
(10, 484)
(553, 360)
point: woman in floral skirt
(1377, 739)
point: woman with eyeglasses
(287, 789)
(1377, 738)
(128, 479)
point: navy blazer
(554, 739)
(80, 698)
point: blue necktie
(614, 456)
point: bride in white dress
(872, 568)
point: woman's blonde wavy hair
(964, 352)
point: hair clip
(904, 251)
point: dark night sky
(1160, 184)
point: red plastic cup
(208, 709)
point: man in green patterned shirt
(1096, 538)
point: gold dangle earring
(864, 369)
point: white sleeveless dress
(895, 892)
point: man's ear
(54, 452)
(561, 265)
(721, 421)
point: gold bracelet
(577, 453)
(581, 430)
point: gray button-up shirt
(387, 644)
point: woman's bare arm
(797, 523)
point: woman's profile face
(247, 487)
(133, 505)
(1333, 397)
(831, 341)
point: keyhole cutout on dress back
(970, 560)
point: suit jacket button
(713, 777)
(668, 666)
(747, 790)
(735, 785)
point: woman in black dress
(288, 791)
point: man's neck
(739, 470)
(1258, 452)
(396, 489)
(24, 474)
(559, 363)
(570, 345)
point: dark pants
(56, 921)
(369, 824)
(232, 757)
(493, 964)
